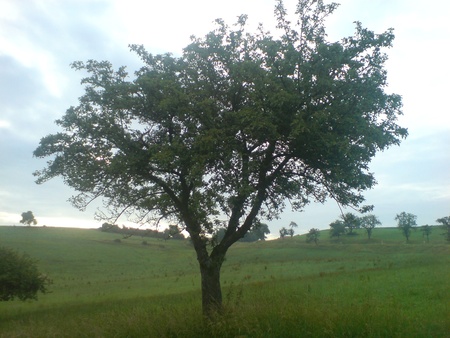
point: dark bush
(117, 240)
(19, 276)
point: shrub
(19, 276)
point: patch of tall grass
(275, 289)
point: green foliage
(257, 233)
(173, 232)
(406, 223)
(351, 221)
(445, 223)
(313, 236)
(19, 276)
(284, 232)
(337, 228)
(369, 222)
(426, 231)
(237, 125)
(28, 218)
(291, 231)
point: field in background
(347, 287)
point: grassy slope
(345, 287)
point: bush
(117, 240)
(19, 277)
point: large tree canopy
(233, 128)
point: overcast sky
(39, 39)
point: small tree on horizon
(257, 233)
(406, 223)
(426, 231)
(313, 236)
(369, 222)
(337, 228)
(284, 232)
(292, 225)
(173, 232)
(351, 221)
(445, 224)
(28, 218)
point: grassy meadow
(347, 287)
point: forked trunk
(211, 290)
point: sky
(40, 38)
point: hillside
(94, 272)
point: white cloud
(5, 124)
(166, 26)
(7, 218)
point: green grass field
(347, 287)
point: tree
(426, 231)
(313, 236)
(173, 232)
(337, 228)
(406, 222)
(284, 232)
(19, 276)
(351, 221)
(257, 233)
(291, 231)
(369, 222)
(445, 223)
(28, 218)
(237, 125)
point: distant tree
(19, 276)
(445, 223)
(28, 218)
(173, 232)
(426, 231)
(351, 221)
(107, 227)
(257, 233)
(406, 222)
(236, 125)
(313, 236)
(291, 231)
(284, 232)
(369, 222)
(337, 228)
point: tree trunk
(211, 290)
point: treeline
(406, 222)
(173, 232)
